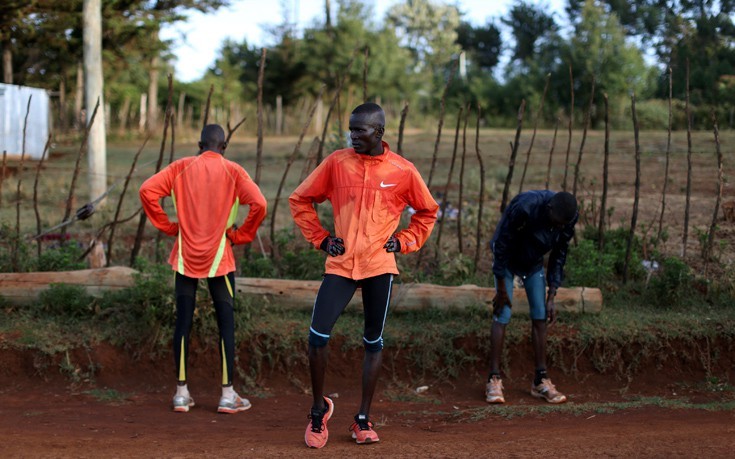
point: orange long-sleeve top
(368, 195)
(207, 191)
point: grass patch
(108, 396)
(400, 391)
(585, 409)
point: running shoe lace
(316, 421)
(363, 424)
(549, 386)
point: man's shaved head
(372, 112)
(212, 138)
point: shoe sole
(184, 408)
(495, 400)
(225, 410)
(367, 441)
(327, 416)
(554, 402)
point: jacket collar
(381, 157)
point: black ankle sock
(490, 376)
(540, 374)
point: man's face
(557, 222)
(365, 135)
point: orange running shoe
(316, 432)
(494, 390)
(548, 392)
(362, 430)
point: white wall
(13, 106)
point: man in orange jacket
(206, 190)
(368, 186)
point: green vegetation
(108, 396)
(627, 338)
(410, 50)
(590, 409)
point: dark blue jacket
(525, 234)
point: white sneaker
(182, 403)
(232, 405)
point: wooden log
(22, 288)
(301, 294)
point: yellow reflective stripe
(224, 363)
(182, 362)
(180, 257)
(218, 257)
(229, 286)
(223, 242)
(233, 212)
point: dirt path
(54, 419)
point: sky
(197, 41)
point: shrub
(140, 311)
(66, 302)
(672, 284)
(64, 257)
(586, 266)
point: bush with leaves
(672, 284)
(65, 257)
(587, 266)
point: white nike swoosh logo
(387, 185)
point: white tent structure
(13, 108)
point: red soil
(45, 414)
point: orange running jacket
(368, 195)
(206, 190)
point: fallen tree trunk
(23, 288)
(295, 293)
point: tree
(599, 48)
(530, 25)
(483, 44)
(300, 66)
(94, 93)
(428, 29)
(44, 39)
(702, 31)
(12, 13)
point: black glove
(231, 230)
(334, 246)
(393, 245)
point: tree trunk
(259, 146)
(636, 196)
(24, 288)
(153, 94)
(688, 112)
(94, 91)
(143, 119)
(180, 111)
(79, 97)
(513, 153)
(7, 63)
(62, 104)
(124, 113)
(279, 115)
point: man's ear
(224, 145)
(201, 146)
(380, 131)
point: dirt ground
(47, 415)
